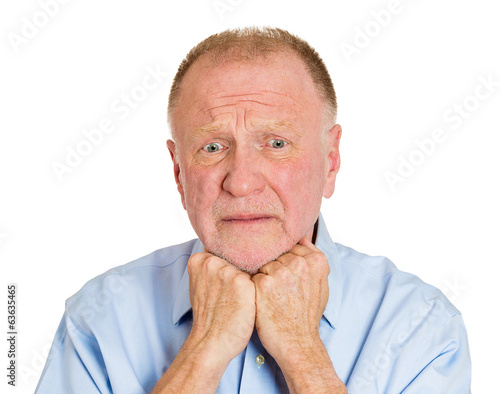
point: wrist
(195, 369)
(206, 353)
(301, 353)
(307, 367)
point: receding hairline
(248, 44)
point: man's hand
(223, 303)
(284, 302)
(292, 293)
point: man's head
(252, 113)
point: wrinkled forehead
(277, 84)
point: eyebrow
(277, 125)
(202, 131)
(266, 126)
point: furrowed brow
(203, 131)
(277, 126)
(272, 126)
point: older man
(263, 301)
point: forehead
(276, 87)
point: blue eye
(213, 147)
(278, 144)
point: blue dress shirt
(385, 330)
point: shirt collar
(182, 303)
(329, 248)
(324, 243)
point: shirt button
(259, 360)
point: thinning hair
(251, 42)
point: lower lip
(246, 221)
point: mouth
(246, 218)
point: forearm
(194, 370)
(223, 303)
(308, 369)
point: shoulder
(379, 277)
(397, 329)
(137, 284)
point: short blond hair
(251, 42)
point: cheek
(202, 188)
(308, 180)
(298, 184)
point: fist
(291, 294)
(223, 302)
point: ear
(177, 171)
(333, 158)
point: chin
(250, 259)
(251, 263)
(248, 247)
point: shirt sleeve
(444, 364)
(74, 364)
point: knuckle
(266, 282)
(300, 265)
(194, 262)
(320, 261)
(323, 263)
(195, 258)
(240, 280)
(212, 263)
(226, 271)
(321, 257)
(282, 270)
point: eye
(277, 144)
(213, 147)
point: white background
(120, 202)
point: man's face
(252, 162)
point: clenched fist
(223, 302)
(284, 301)
(292, 293)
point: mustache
(224, 208)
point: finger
(197, 260)
(200, 256)
(206, 263)
(288, 258)
(257, 277)
(269, 268)
(301, 250)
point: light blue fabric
(385, 330)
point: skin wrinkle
(248, 173)
(214, 127)
(240, 118)
(277, 125)
(270, 125)
(279, 94)
(219, 57)
(255, 101)
(253, 94)
(240, 95)
(265, 130)
(202, 131)
(209, 110)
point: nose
(244, 173)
